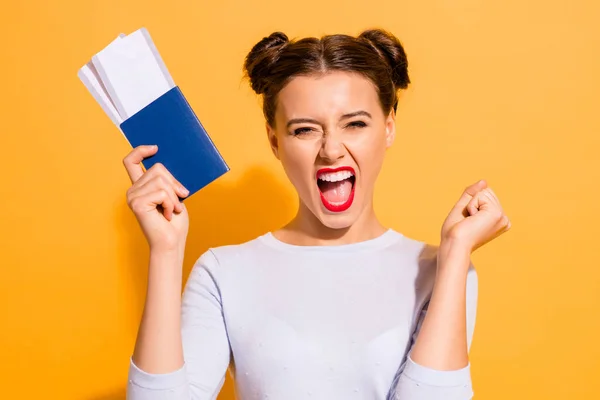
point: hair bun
(262, 56)
(391, 51)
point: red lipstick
(337, 207)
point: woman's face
(331, 135)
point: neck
(307, 230)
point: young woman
(333, 305)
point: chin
(337, 222)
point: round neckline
(388, 237)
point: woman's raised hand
(153, 198)
(477, 217)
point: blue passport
(184, 146)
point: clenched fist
(154, 199)
(477, 217)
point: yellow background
(503, 90)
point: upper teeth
(335, 176)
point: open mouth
(336, 187)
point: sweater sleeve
(417, 382)
(206, 348)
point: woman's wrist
(167, 261)
(454, 255)
(164, 252)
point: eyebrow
(314, 121)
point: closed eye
(356, 124)
(302, 130)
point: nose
(332, 148)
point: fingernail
(184, 190)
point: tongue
(336, 192)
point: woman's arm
(437, 367)
(158, 346)
(476, 219)
(182, 351)
(442, 340)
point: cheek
(298, 162)
(369, 156)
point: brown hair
(376, 54)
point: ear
(390, 128)
(272, 136)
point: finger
(158, 182)
(150, 201)
(167, 204)
(159, 169)
(506, 225)
(492, 196)
(490, 199)
(133, 160)
(501, 219)
(486, 200)
(161, 181)
(495, 203)
(168, 207)
(506, 222)
(482, 200)
(473, 205)
(469, 193)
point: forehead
(326, 96)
